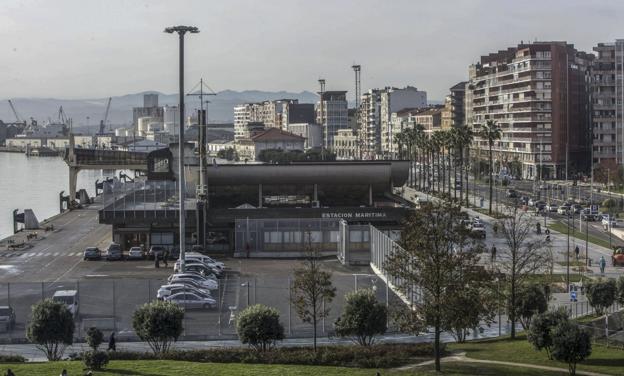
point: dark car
(511, 193)
(114, 252)
(92, 253)
(7, 318)
(156, 250)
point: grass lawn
(602, 360)
(562, 228)
(169, 368)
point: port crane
(17, 117)
(103, 121)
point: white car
(552, 208)
(193, 260)
(608, 221)
(563, 210)
(166, 290)
(209, 284)
(191, 300)
(203, 258)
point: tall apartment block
(608, 106)
(369, 124)
(332, 114)
(538, 93)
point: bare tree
(312, 289)
(524, 258)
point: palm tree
(462, 137)
(490, 131)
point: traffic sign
(594, 208)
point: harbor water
(35, 183)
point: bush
(12, 359)
(158, 323)
(378, 356)
(601, 294)
(530, 301)
(94, 338)
(259, 326)
(619, 293)
(95, 360)
(363, 317)
(51, 328)
(571, 344)
(542, 326)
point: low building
(144, 146)
(263, 210)
(346, 145)
(272, 138)
(313, 134)
(214, 147)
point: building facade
(393, 100)
(346, 145)
(538, 95)
(332, 114)
(369, 125)
(272, 138)
(313, 134)
(607, 103)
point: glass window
(334, 236)
(355, 236)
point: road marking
(56, 254)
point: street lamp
(182, 30)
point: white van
(70, 298)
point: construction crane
(17, 117)
(103, 121)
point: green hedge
(12, 359)
(382, 355)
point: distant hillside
(220, 108)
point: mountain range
(220, 109)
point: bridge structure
(100, 159)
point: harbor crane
(17, 117)
(103, 121)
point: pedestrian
(111, 342)
(156, 259)
(577, 251)
(538, 228)
(9, 372)
(64, 372)
(165, 257)
(493, 253)
(603, 264)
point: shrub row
(382, 355)
(12, 359)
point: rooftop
(275, 134)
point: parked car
(524, 200)
(192, 301)
(155, 250)
(577, 209)
(170, 289)
(7, 318)
(617, 259)
(92, 253)
(114, 252)
(193, 283)
(201, 269)
(69, 298)
(202, 282)
(477, 230)
(511, 193)
(136, 253)
(190, 260)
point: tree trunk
(512, 312)
(314, 331)
(490, 177)
(436, 346)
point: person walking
(111, 342)
(64, 372)
(603, 264)
(538, 228)
(9, 372)
(493, 259)
(165, 257)
(577, 252)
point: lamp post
(181, 30)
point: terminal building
(260, 210)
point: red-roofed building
(272, 138)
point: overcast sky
(89, 49)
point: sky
(79, 49)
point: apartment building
(273, 114)
(369, 123)
(392, 100)
(346, 145)
(538, 95)
(607, 94)
(332, 114)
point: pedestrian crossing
(26, 255)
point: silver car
(209, 284)
(190, 300)
(167, 290)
